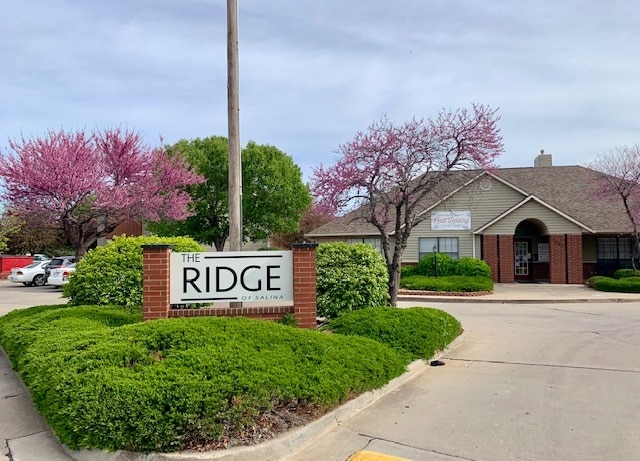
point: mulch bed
(443, 293)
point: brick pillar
(490, 254)
(574, 259)
(155, 281)
(304, 284)
(557, 259)
(507, 262)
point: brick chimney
(542, 159)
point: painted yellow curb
(373, 456)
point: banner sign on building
(231, 276)
(450, 220)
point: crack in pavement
(570, 311)
(549, 365)
(613, 338)
(372, 438)
(6, 451)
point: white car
(30, 275)
(60, 276)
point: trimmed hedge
(622, 285)
(624, 273)
(349, 277)
(447, 266)
(104, 380)
(406, 271)
(112, 274)
(471, 267)
(453, 283)
(426, 265)
(418, 331)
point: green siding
(555, 223)
(484, 207)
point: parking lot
(16, 295)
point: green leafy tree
(8, 226)
(30, 234)
(311, 219)
(274, 196)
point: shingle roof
(572, 190)
(569, 189)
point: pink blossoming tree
(620, 182)
(88, 184)
(384, 174)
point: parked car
(30, 275)
(60, 276)
(57, 263)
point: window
(615, 247)
(448, 245)
(374, 242)
(614, 253)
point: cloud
(314, 73)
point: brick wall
(557, 259)
(505, 248)
(304, 284)
(574, 259)
(260, 312)
(589, 270)
(540, 271)
(155, 281)
(156, 300)
(490, 254)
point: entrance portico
(555, 258)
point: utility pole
(233, 104)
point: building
(540, 223)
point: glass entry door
(521, 255)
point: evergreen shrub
(426, 265)
(418, 331)
(453, 283)
(349, 277)
(105, 380)
(622, 285)
(112, 274)
(624, 273)
(471, 267)
(406, 271)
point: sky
(564, 74)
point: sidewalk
(531, 293)
(25, 436)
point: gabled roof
(530, 198)
(572, 191)
(567, 190)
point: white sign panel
(451, 220)
(543, 252)
(231, 276)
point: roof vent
(543, 159)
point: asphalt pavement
(542, 372)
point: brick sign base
(155, 290)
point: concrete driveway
(530, 382)
(16, 295)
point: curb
(289, 443)
(466, 299)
